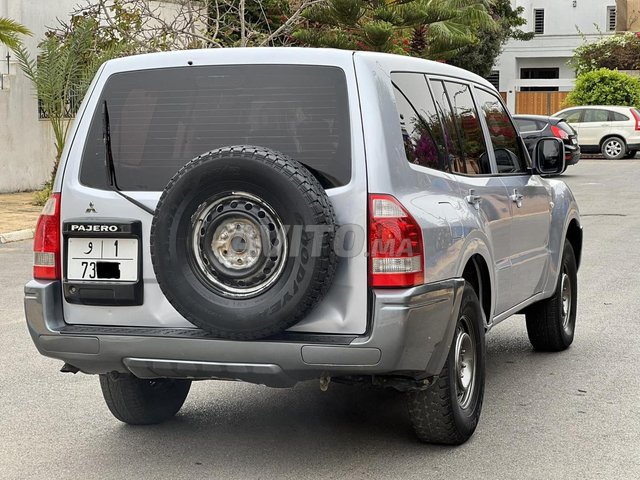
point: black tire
(442, 413)
(280, 278)
(631, 154)
(137, 401)
(549, 326)
(614, 148)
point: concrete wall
(26, 143)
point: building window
(539, 73)
(494, 79)
(538, 16)
(611, 19)
(551, 73)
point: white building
(560, 26)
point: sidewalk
(17, 216)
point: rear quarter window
(422, 132)
(161, 119)
(618, 117)
(527, 125)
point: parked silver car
(280, 215)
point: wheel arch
(612, 135)
(476, 273)
(574, 236)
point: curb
(17, 235)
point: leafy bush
(621, 52)
(40, 197)
(605, 87)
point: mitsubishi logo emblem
(90, 209)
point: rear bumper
(572, 155)
(411, 333)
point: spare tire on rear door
(242, 242)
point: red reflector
(559, 133)
(395, 244)
(46, 243)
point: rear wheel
(551, 323)
(448, 411)
(614, 148)
(137, 401)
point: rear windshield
(162, 118)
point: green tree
(605, 87)
(434, 29)
(10, 32)
(613, 52)
(481, 56)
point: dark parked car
(534, 127)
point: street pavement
(567, 415)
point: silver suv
(281, 215)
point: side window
(421, 128)
(507, 149)
(452, 141)
(526, 125)
(593, 115)
(572, 116)
(467, 123)
(617, 117)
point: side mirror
(548, 156)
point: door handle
(516, 197)
(473, 199)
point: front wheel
(551, 323)
(614, 148)
(138, 401)
(448, 411)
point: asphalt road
(569, 415)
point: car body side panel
(493, 219)
(591, 133)
(530, 230)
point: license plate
(102, 259)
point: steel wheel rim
(239, 244)
(465, 362)
(565, 289)
(613, 148)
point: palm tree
(434, 29)
(61, 74)
(10, 31)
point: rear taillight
(559, 133)
(636, 115)
(46, 243)
(395, 244)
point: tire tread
(323, 212)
